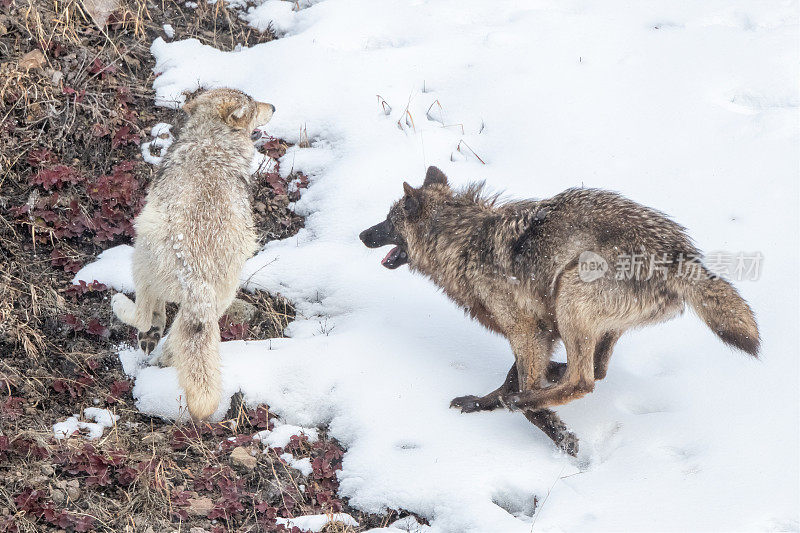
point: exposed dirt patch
(76, 104)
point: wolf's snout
(381, 235)
(272, 107)
(370, 238)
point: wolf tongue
(391, 253)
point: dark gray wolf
(192, 239)
(582, 267)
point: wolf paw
(467, 404)
(568, 443)
(148, 340)
(121, 306)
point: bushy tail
(725, 312)
(195, 342)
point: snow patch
(302, 465)
(154, 150)
(281, 434)
(408, 524)
(114, 266)
(276, 14)
(102, 418)
(315, 522)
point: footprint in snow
(643, 406)
(516, 502)
(605, 442)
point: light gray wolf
(541, 271)
(192, 239)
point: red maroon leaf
(73, 322)
(96, 328)
(56, 176)
(124, 136)
(118, 388)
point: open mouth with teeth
(396, 257)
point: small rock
(200, 506)
(57, 496)
(33, 59)
(71, 487)
(47, 470)
(196, 529)
(240, 456)
(154, 437)
(260, 207)
(240, 311)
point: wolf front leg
(148, 340)
(471, 404)
(602, 354)
(532, 343)
(139, 314)
(492, 401)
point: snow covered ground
(689, 107)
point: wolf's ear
(434, 176)
(236, 115)
(412, 200)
